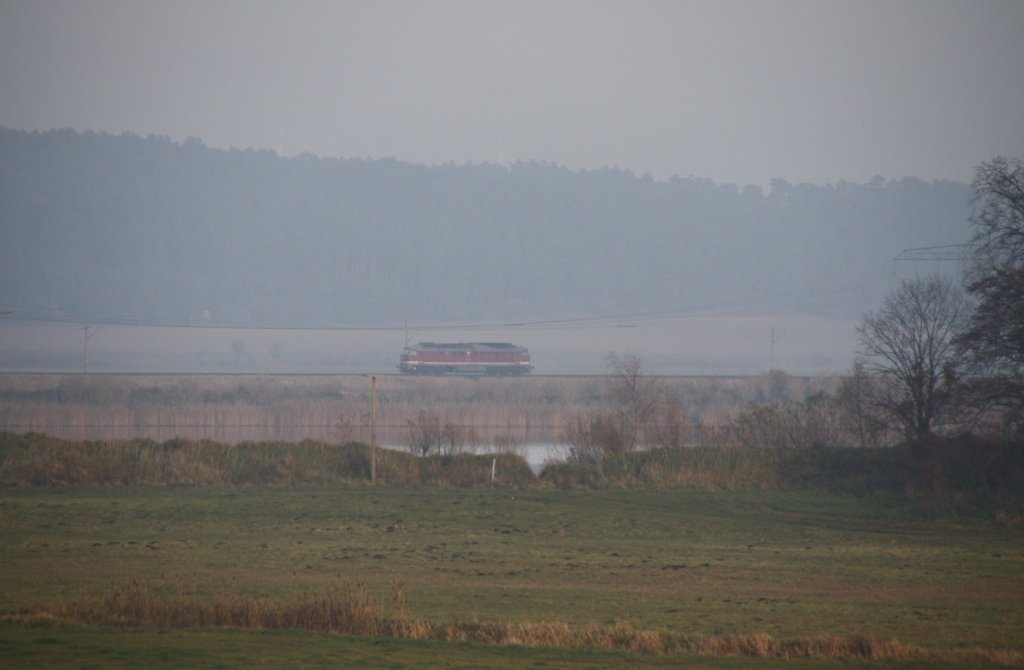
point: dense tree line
(146, 229)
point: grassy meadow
(678, 576)
(130, 537)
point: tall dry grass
(717, 468)
(951, 476)
(341, 609)
(936, 475)
(41, 460)
(353, 610)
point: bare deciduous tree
(638, 413)
(861, 419)
(636, 396)
(907, 349)
(811, 423)
(428, 435)
(424, 435)
(671, 427)
(994, 338)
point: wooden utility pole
(771, 354)
(85, 345)
(373, 429)
(88, 333)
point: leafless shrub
(592, 436)
(637, 399)
(814, 422)
(424, 434)
(671, 428)
(758, 425)
(349, 428)
(453, 438)
(508, 443)
(637, 413)
(427, 435)
(861, 420)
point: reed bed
(354, 610)
(337, 409)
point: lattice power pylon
(945, 252)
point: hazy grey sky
(739, 92)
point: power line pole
(373, 429)
(87, 335)
(771, 351)
(960, 253)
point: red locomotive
(488, 358)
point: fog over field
(738, 92)
(767, 257)
(723, 188)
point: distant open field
(696, 565)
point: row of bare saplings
(352, 610)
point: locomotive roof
(468, 346)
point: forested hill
(144, 229)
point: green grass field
(690, 562)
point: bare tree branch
(908, 347)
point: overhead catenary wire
(819, 301)
(941, 252)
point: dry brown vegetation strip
(42, 460)
(353, 610)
